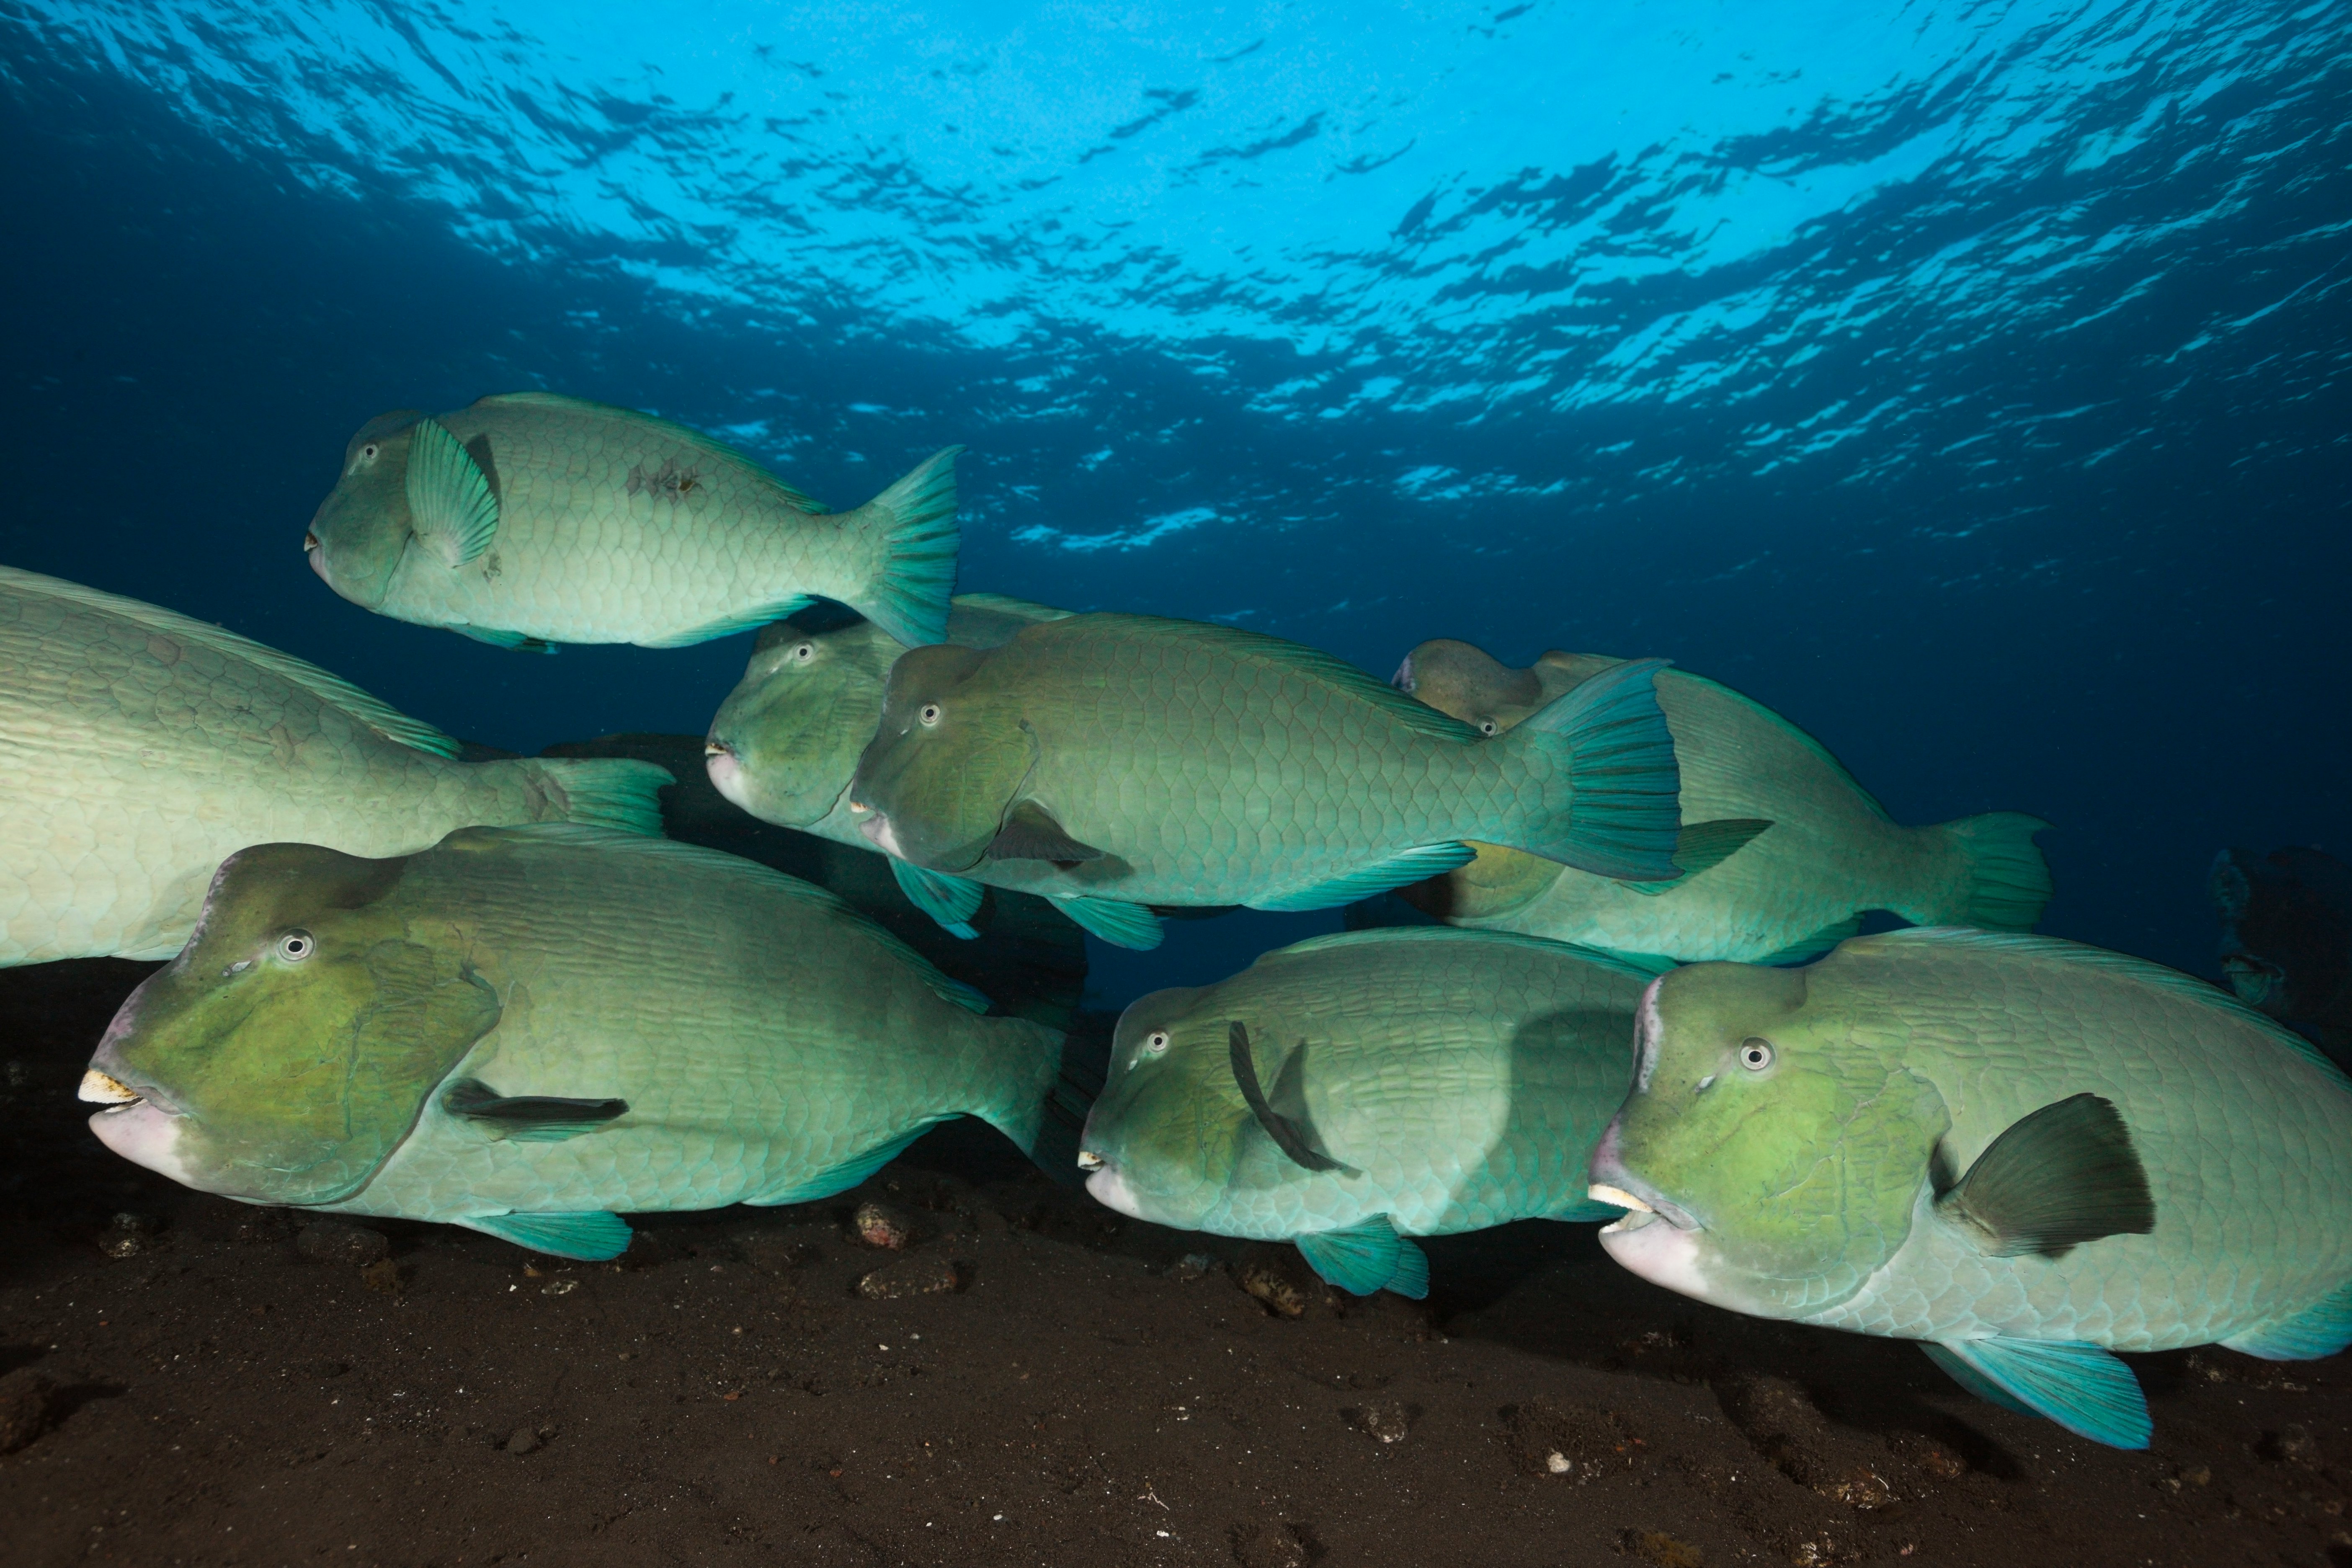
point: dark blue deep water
(1968, 382)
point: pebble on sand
(909, 1277)
(880, 1225)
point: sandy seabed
(1032, 1380)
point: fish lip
(113, 1096)
(1639, 1198)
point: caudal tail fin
(1609, 737)
(1048, 1119)
(601, 792)
(917, 520)
(2006, 881)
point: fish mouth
(1090, 1161)
(310, 541)
(726, 770)
(105, 1089)
(1108, 1187)
(879, 832)
(1402, 680)
(1639, 1210)
(138, 1124)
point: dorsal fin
(1633, 967)
(337, 694)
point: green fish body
(1152, 762)
(2023, 1151)
(785, 743)
(1824, 853)
(1355, 1089)
(528, 519)
(138, 748)
(527, 1031)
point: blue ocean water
(1967, 381)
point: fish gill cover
(1965, 381)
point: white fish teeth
(1601, 1193)
(101, 1090)
(1089, 1160)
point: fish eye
(930, 713)
(804, 653)
(297, 945)
(1155, 1043)
(369, 451)
(1489, 727)
(1755, 1053)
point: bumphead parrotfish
(785, 743)
(2286, 940)
(528, 519)
(1356, 1090)
(1153, 761)
(139, 747)
(2024, 1153)
(1821, 851)
(526, 1030)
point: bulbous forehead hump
(1448, 675)
(382, 427)
(274, 885)
(926, 672)
(1703, 1002)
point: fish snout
(1612, 1183)
(105, 1089)
(1108, 1187)
(879, 832)
(725, 768)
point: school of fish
(1616, 974)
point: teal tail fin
(1608, 737)
(919, 521)
(2007, 880)
(1050, 1083)
(602, 792)
(1071, 1096)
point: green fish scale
(2247, 1146)
(1218, 776)
(137, 759)
(596, 543)
(761, 1036)
(1466, 1076)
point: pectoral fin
(528, 1118)
(1290, 1134)
(2080, 1386)
(1030, 833)
(1366, 1256)
(949, 900)
(451, 508)
(1115, 922)
(2062, 1176)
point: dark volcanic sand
(1084, 1398)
